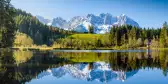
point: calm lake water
(84, 67)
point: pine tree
(98, 43)
(132, 36)
(163, 35)
(112, 36)
(7, 24)
(117, 37)
(123, 39)
(91, 29)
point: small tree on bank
(91, 29)
(98, 43)
(163, 35)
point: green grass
(82, 41)
(89, 37)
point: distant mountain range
(102, 22)
(100, 71)
(43, 20)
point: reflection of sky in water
(142, 76)
(99, 51)
(85, 67)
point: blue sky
(148, 13)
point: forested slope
(40, 33)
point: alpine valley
(101, 23)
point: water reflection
(26, 66)
(100, 71)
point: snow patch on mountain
(102, 23)
(43, 20)
(59, 22)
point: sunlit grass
(89, 37)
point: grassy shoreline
(53, 48)
(77, 41)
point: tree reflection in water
(23, 66)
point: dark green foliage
(120, 37)
(163, 35)
(91, 29)
(40, 33)
(134, 36)
(112, 36)
(98, 43)
(7, 24)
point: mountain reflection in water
(18, 67)
(101, 72)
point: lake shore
(53, 48)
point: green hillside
(89, 37)
(83, 41)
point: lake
(84, 67)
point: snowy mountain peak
(90, 15)
(59, 18)
(43, 20)
(123, 14)
(59, 22)
(102, 22)
(125, 20)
